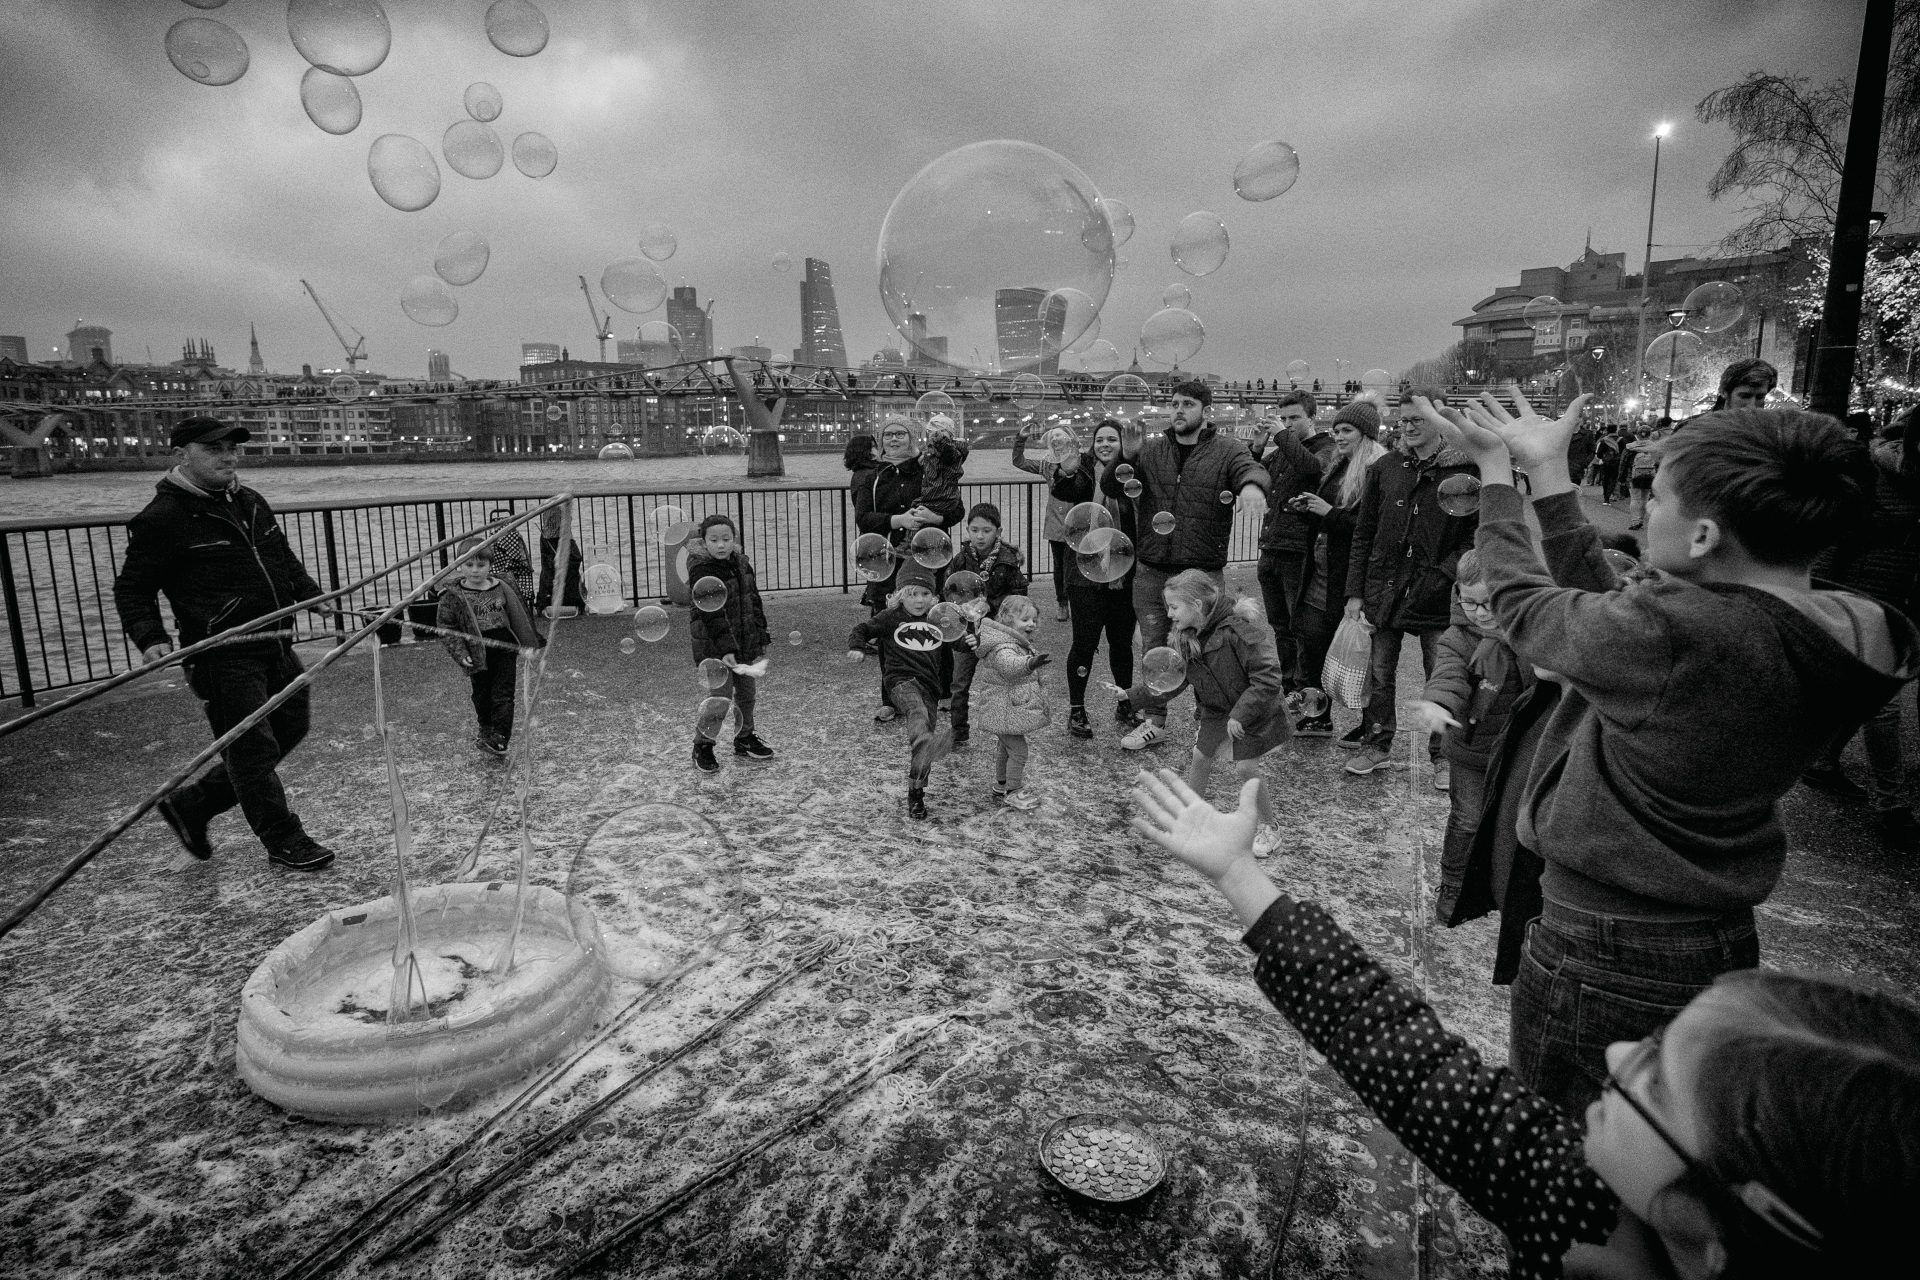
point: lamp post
(1675, 318)
(1660, 131)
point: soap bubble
(428, 301)
(1542, 311)
(783, 262)
(1620, 562)
(873, 557)
(1226, 497)
(1119, 218)
(535, 155)
(627, 644)
(712, 716)
(712, 670)
(658, 242)
(1163, 522)
(651, 623)
(555, 413)
(472, 149)
(1309, 703)
(482, 101)
(1027, 390)
(1065, 315)
(207, 4)
(949, 618)
(516, 28)
(461, 257)
(634, 284)
(1200, 243)
(1376, 378)
(346, 37)
(615, 452)
(709, 594)
(331, 101)
(1714, 307)
(1132, 488)
(1176, 295)
(976, 234)
(931, 547)
(1670, 357)
(658, 333)
(1172, 335)
(206, 51)
(344, 387)
(1123, 472)
(794, 639)
(1162, 669)
(1460, 495)
(1128, 388)
(964, 585)
(403, 172)
(1082, 519)
(1299, 371)
(1105, 555)
(1269, 170)
(671, 526)
(935, 402)
(1063, 444)
(1100, 357)
(722, 438)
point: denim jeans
(1280, 575)
(1587, 980)
(1382, 678)
(233, 686)
(1099, 611)
(964, 662)
(925, 744)
(1060, 554)
(494, 686)
(1150, 610)
(1886, 771)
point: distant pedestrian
(510, 557)
(1293, 467)
(572, 598)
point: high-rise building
(14, 348)
(539, 352)
(439, 368)
(820, 342)
(1027, 342)
(693, 324)
(924, 350)
(254, 363)
(85, 340)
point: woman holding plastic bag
(1329, 512)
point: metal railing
(56, 576)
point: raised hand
(1192, 830)
(1472, 436)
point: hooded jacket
(739, 625)
(1235, 673)
(220, 559)
(1007, 695)
(460, 636)
(1404, 546)
(1202, 524)
(1076, 487)
(1477, 678)
(909, 649)
(1001, 571)
(1293, 467)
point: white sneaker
(1023, 800)
(1145, 735)
(1265, 840)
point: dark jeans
(926, 744)
(570, 587)
(1060, 554)
(233, 686)
(1886, 771)
(1150, 611)
(1382, 679)
(740, 690)
(494, 686)
(1313, 631)
(1587, 980)
(1280, 576)
(1099, 611)
(964, 661)
(1466, 793)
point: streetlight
(1676, 316)
(1660, 132)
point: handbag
(1345, 674)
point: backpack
(1645, 461)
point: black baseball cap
(207, 430)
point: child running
(1235, 675)
(1012, 701)
(484, 623)
(998, 565)
(910, 648)
(942, 463)
(735, 634)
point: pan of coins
(1102, 1157)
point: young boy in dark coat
(998, 565)
(735, 635)
(477, 607)
(910, 648)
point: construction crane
(602, 324)
(357, 349)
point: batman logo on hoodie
(917, 636)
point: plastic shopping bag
(1345, 673)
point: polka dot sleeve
(1513, 1156)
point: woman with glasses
(1771, 1130)
(886, 500)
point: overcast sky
(1444, 145)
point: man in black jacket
(212, 546)
(1295, 460)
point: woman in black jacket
(1329, 512)
(1098, 608)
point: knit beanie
(1362, 416)
(912, 574)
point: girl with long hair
(1330, 512)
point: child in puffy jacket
(942, 462)
(484, 625)
(734, 634)
(998, 565)
(1008, 698)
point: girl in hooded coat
(1008, 699)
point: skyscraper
(439, 367)
(1019, 331)
(84, 339)
(820, 342)
(693, 324)
(14, 348)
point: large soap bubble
(1065, 317)
(428, 301)
(403, 172)
(873, 557)
(1082, 519)
(516, 27)
(1269, 170)
(206, 51)
(1714, 307)
(1162, 669)
(482, 101)
(1100, 356)
(671, 526)
(346, 37)
(331, 101)
(1200, 243)
(1119, 218)
(1671, 356)
(535, 155)
(975, 241)
(658, 242)
(1299, 371)
(1176, 295)
(634, 284)
(1172, 335)
(1105, 555)
(461, 257)
(472, 149)
(931, 547)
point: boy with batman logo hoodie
(910, 648)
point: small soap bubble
(346, 37)
(651, 623)
(1670, 356)
(472, 149)
(715, 672)
(1714, 307)
(1541, 312)
(1123, 472)
(1299, 371)
(709, 594)
(1176, 295)
(1119, 218)
(344, 387)
(627, 644)
(516, 28)
(950, 618)
(794, 638)
(1133, 488)
(1226, 497)
(712, 715)
(482, 101)
(1200, 243)
(1172, 335)
(206, 51)
(535, 155)
(634, 284)
(1082, 519)
(461, 257)
(1163, 522)
(964, 585)
(1105, 555)
(1376, 379)
(931, 547)
(428, 301)
(1460, 495)
(403, 172)
(873, 557)
(331, 101)
(1269, 170)
(1163, 669)
(1620, 562)
(615, 452)
(782, 262)
(1310, 704)
(1027, 390)
(658, 242)
(1081, 672)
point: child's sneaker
(885, 713)
(493, 742)
(751, 748)
(1442, 777)
(1145, 734)
(1077, 724)
(1352, 738)
(917, 803)
(703, 758)
(1023, 800)
(1265, 840)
